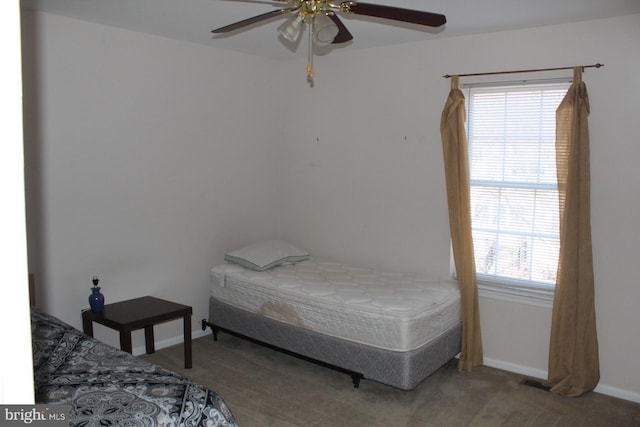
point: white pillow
(265, 255)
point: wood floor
(266, 388)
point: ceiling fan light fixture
(292, 28)
(325, 30)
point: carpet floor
(263, 387)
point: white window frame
(510, 289)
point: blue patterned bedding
(106, 386)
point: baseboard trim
(517, 369)
(618, 392)
(542, 374)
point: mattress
(392, 311)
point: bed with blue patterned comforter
(105, 386)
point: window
(514, 196)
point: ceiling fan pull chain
(310, 72)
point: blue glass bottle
(96, 299)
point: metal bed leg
(213, 327)
(356, 379)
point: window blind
(514, 197)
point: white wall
(148, 158)
(363, 178)
(135, 144)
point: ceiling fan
(325, 27)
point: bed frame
(404, 370)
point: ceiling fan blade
(249, 21)
(398, 14)
(343, 35)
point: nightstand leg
(187, 342)
(149, 339)
(125, 341)
(87, 326)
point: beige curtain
(456, 164)
(573, 353)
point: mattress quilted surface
(394, 311)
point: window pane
(544, 265)
(484, 246)
(512, 258)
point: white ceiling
(193, 20)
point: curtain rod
(598, 65)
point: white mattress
(394, 311)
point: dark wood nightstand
(138, 313)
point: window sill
(537, 296)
